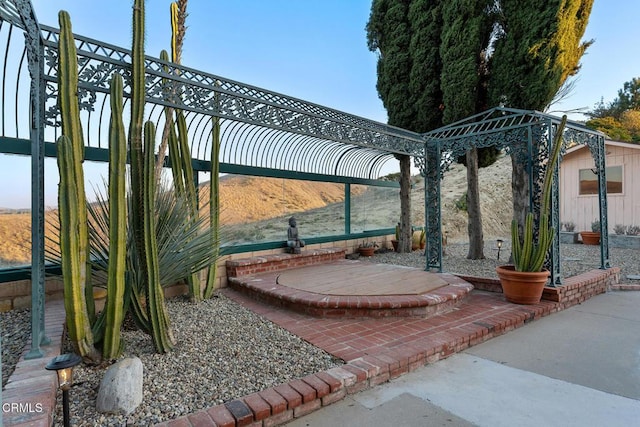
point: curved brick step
(265, 288)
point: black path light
(63, 365)
(499, 243)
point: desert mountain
(256, 208)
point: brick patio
(375, 350)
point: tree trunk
(520, 192)
(474, 228)
(404, 241)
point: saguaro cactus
(117, 225)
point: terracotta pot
(590, 237)
(522, 287)
(366, 251)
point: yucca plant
(529, 254)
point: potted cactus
(418, 240)
(367, 248)
(591, 237)
(394, 242)
(524, 281)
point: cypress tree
(537, 48)
(466, 35)
(389, 33)
(406, 35)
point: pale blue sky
(311, 49)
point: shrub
(595, 225)
(461, 203)
(569, 226)
(619, 229)
(633, 230)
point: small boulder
(121, 387)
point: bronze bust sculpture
(293, 241)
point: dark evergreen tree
(406, 35)
(628, 99)
(388, 32)
(441, 61)
(538, 46)
(466, 35)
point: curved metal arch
(193, 123)
(272, 143)
(240, 152)
(226, 139)
(17, 108)
(378, 164)
(341, 157)
(308, 147)
(372, 157)
(103, 107)
(205, 94)
(325, 151)
(158, 117)
(283, 144)
(200, 132)
(255, 152)
(357, 158)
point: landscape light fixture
(63, 365)
(499, 243)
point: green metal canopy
(524, 134)
(262, 132)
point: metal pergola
(263, 133)
(525, 135)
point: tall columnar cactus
(178, 13)
(74, 238)
(117, 225)
(143, 192)
(156, 309)
(529, 255)
(135, 132)
(214, 205)
(181, 160)
(73, 241)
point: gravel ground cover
(225, 351)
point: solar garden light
(63, 365)
(499, 243)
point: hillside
(256, 208)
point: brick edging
(30, 384)
(296, 398)
(277, 262)
(574, 290)
(265, 288)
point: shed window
(589, 181)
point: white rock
(121, 387)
